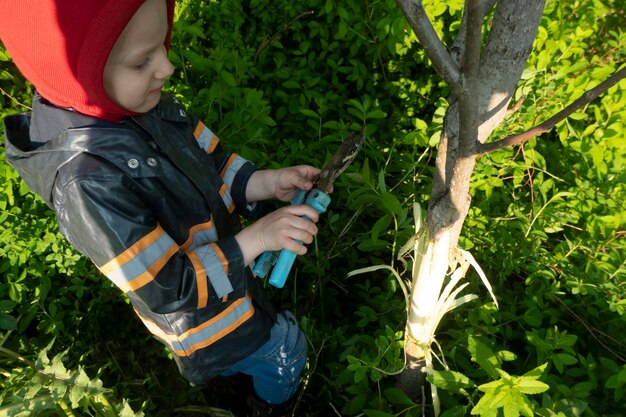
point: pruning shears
(318, 198)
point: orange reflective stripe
(156, 330)
(131, 252)
(217, 336)
(220, 255)
(206, 139)
(228, 201)
(197, 229)
(213, 144)
(201, 280)
(208, 332)
(228, 164)
(198, 131)
(152, 271)
(141, 263)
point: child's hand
(279, 230)
(290, 180)
(282, 184)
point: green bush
(283, 83)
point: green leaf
(192, 30)
(6, 306)
(8, 322)
(531, 386)
(380, 226)
(291, 84)
(391, 203)
(458, 411)
(376, 114)
(484, 356)
(537, 372)
(376, 413)
(397, 396)
(449, 380)
(228, 78)
(309, 113)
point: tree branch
(435, 49)
(546, 126)
(458, 47)
(469, 94)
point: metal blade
(341, 160)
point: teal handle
(265, 262)
(268, 258)
(317, 199)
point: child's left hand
(290, 180)
(282, 184)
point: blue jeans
(276, 367)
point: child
(146, 191)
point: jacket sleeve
(107, 221)
(234, 169)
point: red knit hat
(61, 46)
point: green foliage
(46, 385)
(510, 394)
(283, 83)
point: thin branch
(16, 356)
(473, 40)
(268, 41)
(516, 106)
(546, 126)
(14, 99)
(458, 47)
(594, 332)
(435, 49)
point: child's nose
(165, 68)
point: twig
(435, 49)
(593, 332)
(374, 39)
(16, 356)
(530, 182)
(14, 99)
(516, 106)
(334, 409)
(546, 126)
(268, 41)
(205, 410)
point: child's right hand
(280, 229)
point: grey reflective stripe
(140, 263)
(214, 270)
(232, 169)
(202, 237)
(207, 333)
(216, 330)
(206, 138)
(227, 199)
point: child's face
(138, 64)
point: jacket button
(182, 113)
(152, 162)
(133, 163)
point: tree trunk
(412, 380)
(482, 84)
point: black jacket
(154, 201)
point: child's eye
(143, 65)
